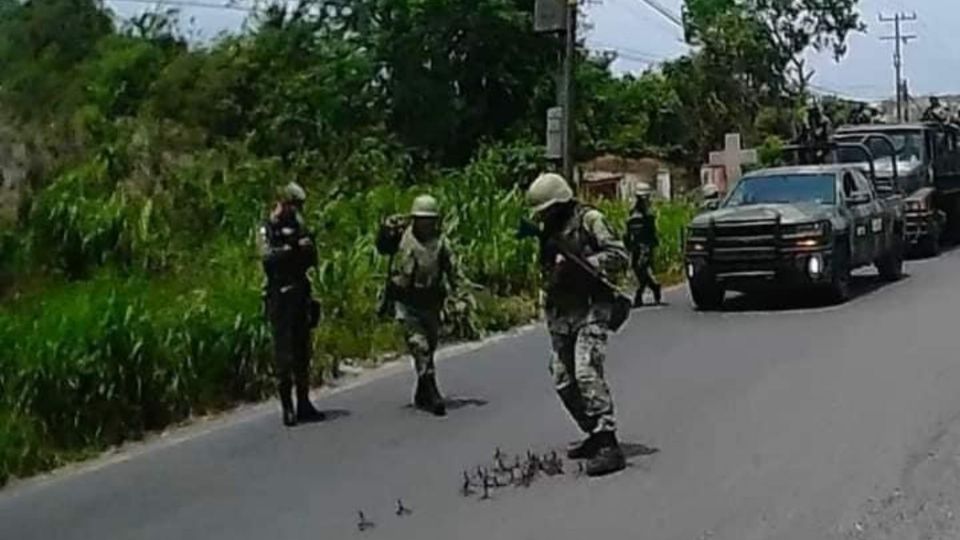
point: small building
(613, 176)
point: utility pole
(559, 17)
(569, 69)
(899, 40)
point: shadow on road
(455, 403)
(785, 301)
(329, 415)
(632, 450)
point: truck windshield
(784, 188)
(909, 146)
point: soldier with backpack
(641, 240)
(421, 273)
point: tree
(774, 31)
(41, 43)
(457, 72)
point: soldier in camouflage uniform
(578, 317)
(287, 251)
(641, 241)
(421, 275)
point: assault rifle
(621, 302)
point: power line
(664, 12)
(634, 9)
(620, 49)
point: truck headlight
(915, 206)
(806, 230)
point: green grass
(138, 321)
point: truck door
(859, 206)
(877, 219)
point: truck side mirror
(711, 204)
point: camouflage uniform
(418, 276)
(421, 273)
(287, 252)
(577, 320)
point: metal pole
(569, 67)
(899, 40)
(897, 64)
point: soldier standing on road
(578, 317)
(641, 241)
(421, 275)
(287, 253)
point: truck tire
(890, 266)
(929, 245)
(839, 289)
(707, 294)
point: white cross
(733, 157)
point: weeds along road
(771, 422)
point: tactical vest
(577, 237)
(640, 230)
(292, 272)
(418, 266)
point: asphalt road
(771, 422)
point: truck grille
(745, 246)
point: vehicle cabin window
(849, 185)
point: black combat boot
(585, 449)
(420, 400)
(657, 294)
(289, 418)
(306, 412)
(434, 400)
(609, 458)
(286, 403)
(638, 299)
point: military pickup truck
(923, 165)
(794, 227)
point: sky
(642, 36)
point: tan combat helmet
(709, 191)
(547, 190)
(425, 206)
(294, 193)
(642, 189)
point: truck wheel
(890, 266)
(930, 244)
(840, 280)
(707, 294)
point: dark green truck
(923, 166)
(794, 227)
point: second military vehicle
(796, 226)
(923, 164)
